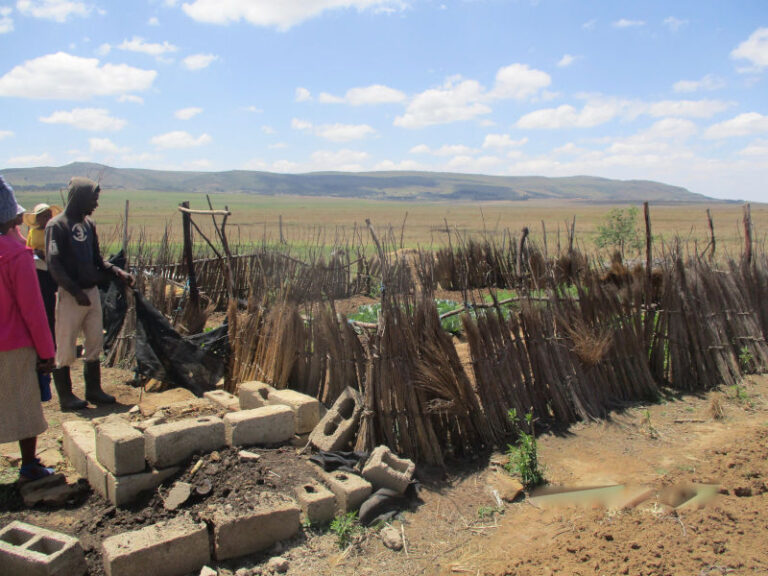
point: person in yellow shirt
(36, 221)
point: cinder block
(223, 399)
(242, 532)
(174, 442)
(265, 425)
(254, 394)
(317, 502)
(120, 447)
(124, 489)
(27, 550)
(306, 410)
(385, 470)
(338, 426)
(350, 489)
(79, 441)
(173, 548)
(97, 475)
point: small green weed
(649, 427)
(746, 361)
(346, 528)
(523, 457)
(489, 511)
(738, 393)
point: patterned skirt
(21, 413)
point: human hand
(45, 364)
(125, 277)
(82, 298)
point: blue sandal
(35, 471)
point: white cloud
(404, 165)
(754, 49)
(105, 145)
(589, 24)
(179, 139)
(91, 119)
(6, 22)
(281, 15)
(341, 160)
(253, 109)
(153, 21)
(625, 23)
(298, 124)
(199, 61)
(473, 164)
(137, 44)
(710, 82)
(56, 10)
(566, 116)
(674, 24)
(187, 113)
(278, 146)
(267, 129)
(132, 98)
(420, 149)
(344, 132)
(688, 108)
(43, 159)
(741, 125)
(566, 61)
(5, 134)
(502, 141)
(367, 95)
(519, 82)
(66, 77)
(302, 95)
(756, 148)
(455, 101)
(103, 50)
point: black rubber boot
(93, 392)
(63, 383)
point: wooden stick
(205, 212)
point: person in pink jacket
(26, 345)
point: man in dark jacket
(75, 262)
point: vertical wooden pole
(712, 242)
(748, 233)
(648, 251)
(186, 220)
(125, 232)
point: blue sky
(668, 91)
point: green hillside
(421, 186)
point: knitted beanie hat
(9, 208)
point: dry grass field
(309, 220)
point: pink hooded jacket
(22, 315)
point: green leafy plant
(649, 427)
(346, 528)
(523, 457)
(740, 394)
(488, 511)
(746, 361)
(620, 230)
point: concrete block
(124, 489)
(97, 476)
(254, 394)
(79, 440)
(385, 470)
(174, 442)
(27, 550)
(265, 425)
(120, 447)
(317, 502)
(223, 399)
(338, 426)
(350, 489)
(173, 548)
(240, 532)
(306, 410)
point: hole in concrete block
(395, 463)
(309, 489)
(342, 477)
(264, 393)
(347, 408)
(47, 546)
(16, 536)
(330, 427)
(204, 420)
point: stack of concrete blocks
(223, 399)
(349, 489)
(27, 550)
(254, 394)
(182, 546)
(306, 409)
(265, 425)
(385, 470)
(338, 427)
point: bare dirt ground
(458, 528)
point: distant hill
(417, 186)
